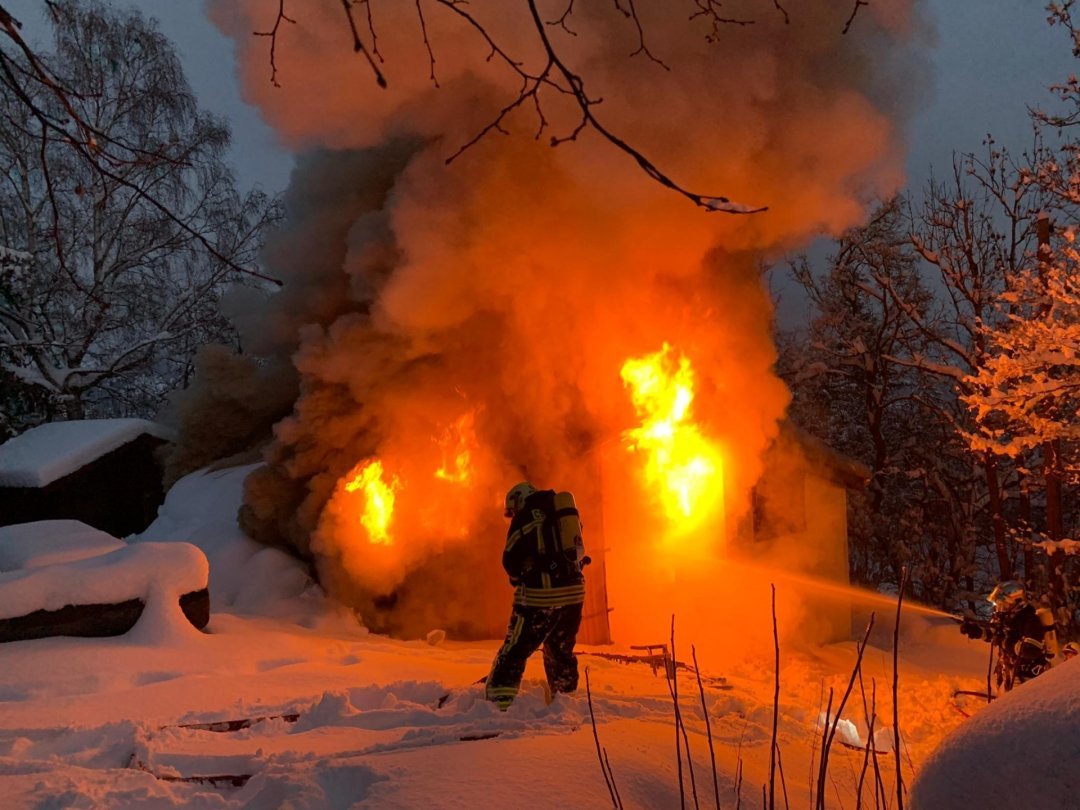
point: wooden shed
(103, 472)
(799, 503)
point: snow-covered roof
(46, 542)
(48, 452)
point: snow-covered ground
(1022, 751)
(359, 720)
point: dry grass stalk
(708, 727)
(896, 691)
(830, 729)
(776, 703)
(601, 754)
(680, 727)
(738, 783)
(783, 781)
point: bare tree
(552, 81)
(974, 232)
(849, 389)
(113, 183)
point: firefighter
(543, 558)
(1023, 635)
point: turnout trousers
(554, 627)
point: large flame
(681, 464)
(378, 499)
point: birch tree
(129, 216)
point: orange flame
(457, 441)
(681, 463)
(378, 497)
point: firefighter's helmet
(516, 497)
(1006, 594)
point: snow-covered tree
(131, 233)
(1027, 391)
(901, 327)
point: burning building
(544, 313)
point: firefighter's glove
(971, 628)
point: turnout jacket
(543, 573)
(1010, 627)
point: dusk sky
(991, 60)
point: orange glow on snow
(682, 466)
(378, 499)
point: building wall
(118, 493)
(826, 539)
(795, 533)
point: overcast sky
(992, 58)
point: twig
(273, 34)
(738, 783)
(813, 743)
(783, 781)
(631, 12)
(371, 29)
(708, 727)
(599, 752)
(712, 11)
(739, 764)
(823, 766)
(896, 691)
(871, 715)
(831, 730)
(680, 726)
(836, 790)
(358, 44)
(871, 744)
(618, 798)
(561, 20)
(585, 104)
(427, 43)
(776, 702)
(855, 10)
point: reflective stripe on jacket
(549, 597)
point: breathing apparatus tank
(1050, 639)
(571, 545)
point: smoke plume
(464, 325)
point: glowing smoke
(506, 291)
